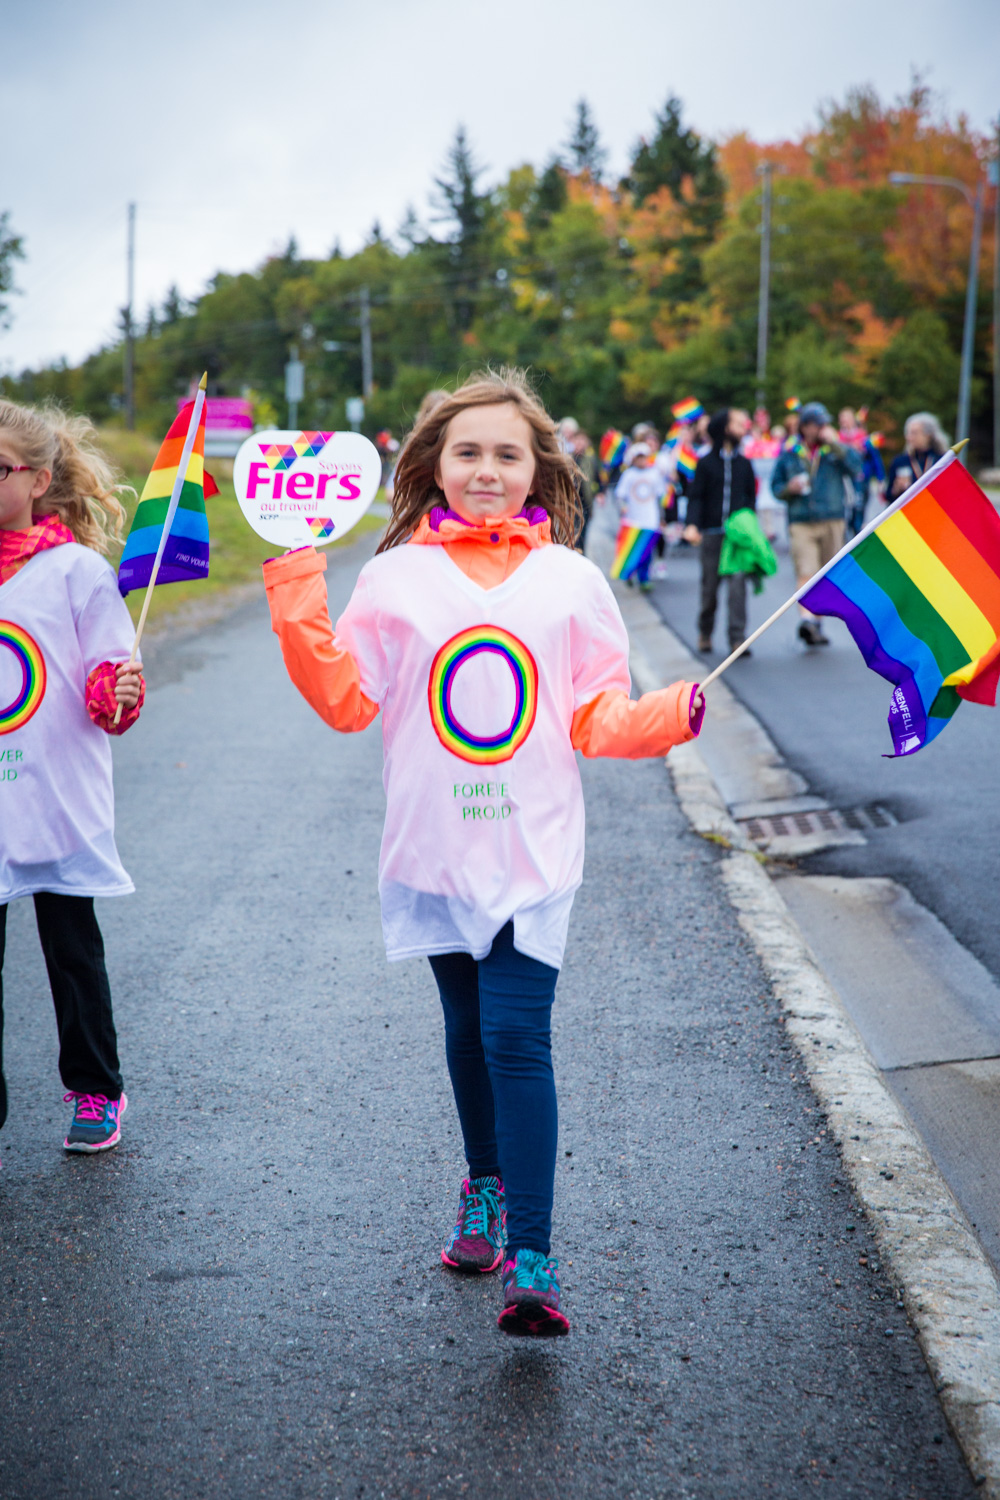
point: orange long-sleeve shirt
(327, 676)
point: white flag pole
(168, 520)
(932, 473)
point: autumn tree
(679, 169)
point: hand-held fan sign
(301, 489)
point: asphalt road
(246, 1297)
(827, 712)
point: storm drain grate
(826, 820)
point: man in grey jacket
(810, 477)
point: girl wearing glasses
(65, 635)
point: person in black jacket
(723, 482)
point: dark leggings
(74, 957)
(497, 1028)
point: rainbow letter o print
(483, 750)
(22, 677)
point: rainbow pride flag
(185, 554)
(611, 449)
(687, 462)
(919, 590)
(633, 548)
(688, 410)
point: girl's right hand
(128, 685)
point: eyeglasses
(6, 469)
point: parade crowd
(738, 486)
(493, 650)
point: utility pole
(129, 326)
(295, 384)
(969, 333)
(366, 344)
(764, 295)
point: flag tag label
(302, 489)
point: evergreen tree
(549, 196)
(466, 210)
(11, 249)
(173, 307)
(410, 232)
(678, 159)
(586, 154)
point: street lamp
(969, 335)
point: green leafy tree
(817, 368)
(919, 370)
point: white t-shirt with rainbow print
(478, 688)
(61, 615)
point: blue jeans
(497, 1036)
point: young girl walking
(65, 635)
(494, 651)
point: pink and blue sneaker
(96, 1124)
(531, 1296)
(478, 1239)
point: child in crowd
(640, 493)
(64, 636)
(494, 650)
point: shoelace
(532, 1269)
(481, 1203)
(88, 1106)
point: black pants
(74, 956)
(736, 588)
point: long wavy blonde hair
(84, 489)
(416, 490)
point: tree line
(621, 295)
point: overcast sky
(234, 125)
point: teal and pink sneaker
(478, 1239)
(531, 1296)
(96, 1122)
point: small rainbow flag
(793, 403)
(633, 548)
(919, 590)
(185, 553)
(611, 449)
(687, 462)
(688, 410)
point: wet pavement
(246, 1297)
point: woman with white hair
(925, 441)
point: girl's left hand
(128, 684)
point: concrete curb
(951, 1293)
